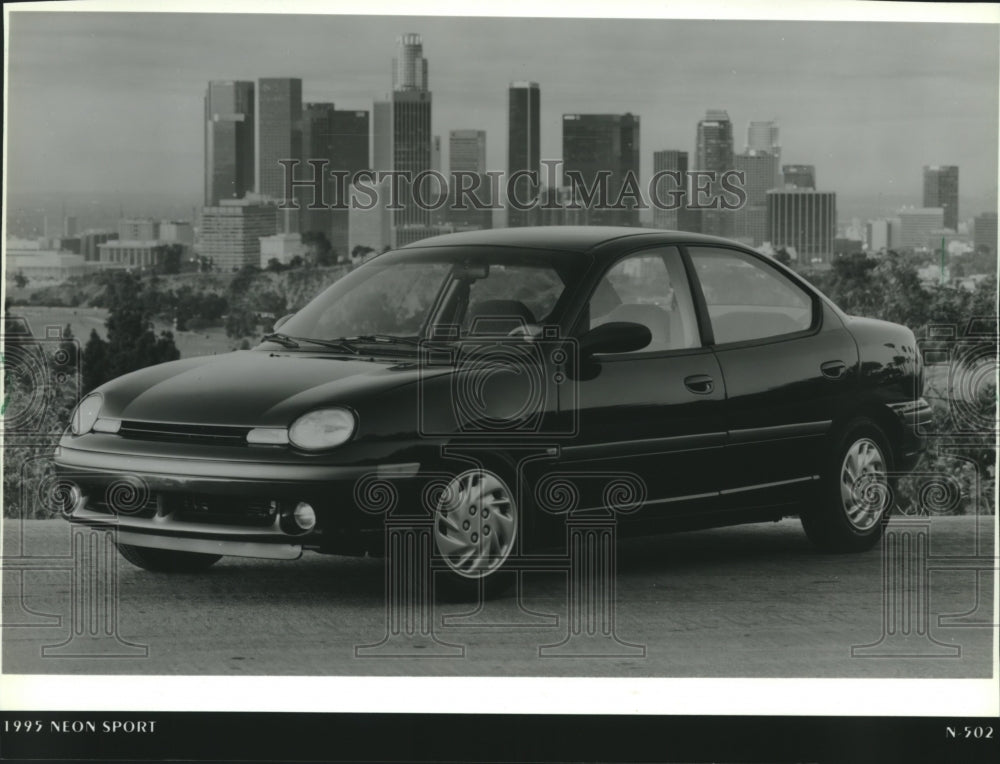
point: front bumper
(219, 506)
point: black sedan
(492, 384)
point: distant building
(229, 140)
(90, 242)
(402, 139)
(279, 136)
(69, 226)
(138, 229)
(467, 154)
(523, 141)
(917, 225)
(177, 232)
(985, 231)
(132, 254)
(763, 137)
(341, 138)
(593, 143)
(760, 169)
(231, 232)
(283, 247)
(370, 228)
(683, 218)
(878, 235)
(715, 153)
(556, 207)
(799, 175)
(804, 219)
(941, 190)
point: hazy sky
(113, 101)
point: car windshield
(446, 292)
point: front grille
(226, 510)
(185, 433)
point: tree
(318, 250)
(783, 257)
(360, 252)
(131, 343)
(20, 280)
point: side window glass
(649, 288)
(746, 299)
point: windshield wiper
(388, 339)
(293, 342)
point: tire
(167, 560)
(476, 524)
(853, 503)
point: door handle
(833, 369)
(699, 384)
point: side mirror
(615, 337)
(280, 321)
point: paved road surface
(751, 601)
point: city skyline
(869, 121)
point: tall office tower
(715, 153)
(799, 175)
(69, 225)
(595, 143)
(341, 138)
(138, 229)
(941, 190)
(410, 135)
(467, 153)
(523, 135)
(763, 137)
(231, 232)
(750, 221)
(803, 219)
(683, 218)
(279, 136)
(229, 140)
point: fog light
(304, 516)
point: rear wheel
(167, 560)
(476, 521)
(855, 495)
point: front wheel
(855, 495)
(475, 528)
(167, 560)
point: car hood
(251, 387)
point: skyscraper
(760, 169)
(941, 190)
(683, 218)
(410, 134)
(763, 137)
(279, 132)
(523, 134)
(231, 232)
(229, 140)
(595, 143)
(803, 219)
(799, 175)
(715, 153)
(341, 138)
(467, 153)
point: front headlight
(85, 414)
(323, 428)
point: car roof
(566, 238)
